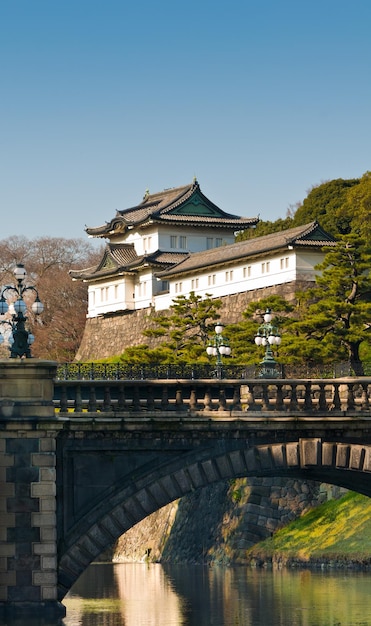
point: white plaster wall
(196, 238)
(246, 276)
(107, 297)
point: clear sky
(103, 99)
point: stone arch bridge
(83, 461)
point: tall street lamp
(218, 346)
(268, 336)
(20, 338)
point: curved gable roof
(179, 205)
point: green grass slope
(339, 530)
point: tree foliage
(356, 209)
(335, 204)
(324, 203)
(333, 318)
(186, 330)
(265, 228)
(244, 351)
(58, 331)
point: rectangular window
(164, 285)
(284, 263)
(173, 241)
(211, 279)
(247, 271)
(147, 241)
(268, 266)
(218, 242)
(194, 283)
(209, 243)
(116, 292)
(229, 275)
(182, 242)
(263, 268)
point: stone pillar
(28, 534)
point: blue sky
(101, 100)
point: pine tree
(335, 315)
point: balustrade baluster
(308, 397)
(365, 403)
(63, 402)
(207, 399)
(136, 398)
(293, 404)
(92, 404)
(279, 397)
(193, 400)
(336, 402)
(179, 404)
(165, 398)
(265, 398)
(222, 400)
(350, 397)
(107, 401)
(322, 402)
(78, 400)
(249, 398)
(121, 403)
(236, 402)
(150, 398)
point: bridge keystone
(310, 452)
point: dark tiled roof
(309, 235)
(166, 206)
(122, 259)
(158, 258)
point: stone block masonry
(28, 541)
(110, 335)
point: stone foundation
(28, 541)
(109, 335)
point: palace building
(178, 241)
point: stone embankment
(219, 523)
(109, 335)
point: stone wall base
(110, 335)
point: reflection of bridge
(86, 460)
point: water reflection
(155, 595)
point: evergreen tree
(356, 209)
(244, 351)
(334, 316)
(187, 329)
(324, 204)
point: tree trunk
(355, 362)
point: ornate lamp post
(19, 339)
(218, 346)
(268, 336)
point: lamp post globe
(13, 304)
(268, 336)
(218, 346)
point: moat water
(178, 595)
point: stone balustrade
(306, 396)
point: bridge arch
(130, 500)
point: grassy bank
(337, 533)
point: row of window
(179, 242)
(195, 282)
(229, 275)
